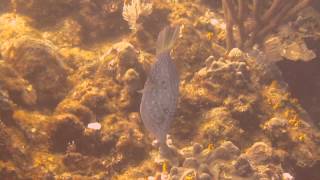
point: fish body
(161, 90)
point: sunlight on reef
(73, 73)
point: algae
(250, 112)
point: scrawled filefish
(161, 90)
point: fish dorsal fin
(166, 38)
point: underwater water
(160, 89)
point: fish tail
(166, 38)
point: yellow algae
(287, 113)
(294, 122)
(7, 165)
(210, 147)
(302, 137)
(190, 176)
(142, 170)
(274, 96)
(225, 176)
(165, 167)
(221, 36)
(293, 117)
(46, 162)
(75, 52)
(210, 35)
(34, 124)
(29, 88)
(65, 34)
(194, 91)
(14, 26)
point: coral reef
(100, 18)
(37, 62)
(244, 111)
(13, 85)
(262, 23)
(226, 161)
(44, 12)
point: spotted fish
(161, 90)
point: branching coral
(264, 21)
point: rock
(197, 148)
(100, 19)
(267, 172)
(49, 176)
(94, 98)
(126, 100)
(66, 128)
(132, 80)
(173, 171)
(204, 168)
(151, 24)
(226, 73)
(277, 128)
(189, 174)
(287, 176)
(303, 156)
(100, 95)
(91, 143)
(127, 58)
(51, 12)
(14, 87)
(7, 172)
(67, 35)
(34, 125)
(38, 62)
(46, 107)
(243, 109)
(236, 53)
(131, 148)
(76, 161)
(266, 71)
(190, 163)
(5, 141)
(297, 51)
(6, 107)
(124, 137)
(243, 167)
(191, 55)
(118, 60)
(259, 153)
(16, 157)
(174, 177)
(225, 151)
(220, 125)
(82, 112)
(205, 176)
(134, 117)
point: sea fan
(132, 11)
